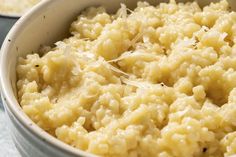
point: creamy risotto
(16, 6)
(156, 81)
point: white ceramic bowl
(45, 24)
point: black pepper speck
(204, 149)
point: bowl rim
(10, 16)
(10, 99)
(17, 15)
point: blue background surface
(7, 148)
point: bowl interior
(45, 24)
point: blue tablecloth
(7, 148)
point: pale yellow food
(17, 7)
(158, 81)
